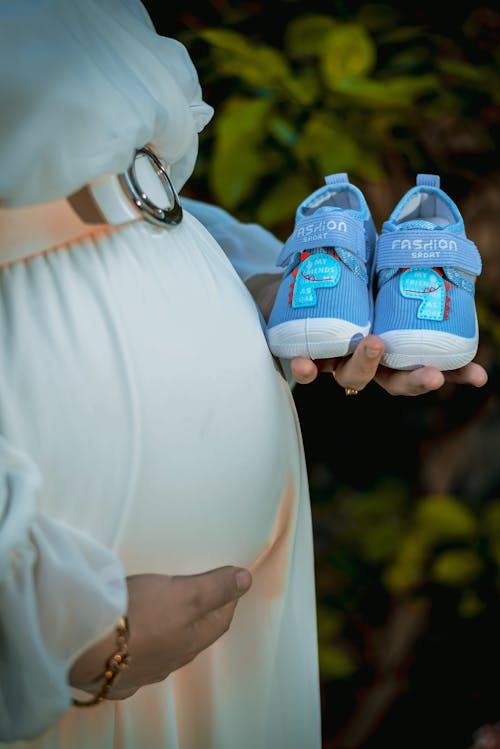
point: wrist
(115, 664)
(263, 287)
(86, 671)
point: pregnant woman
(156, 561)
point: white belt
(143, 192)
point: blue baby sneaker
(425, 269)
(323, 307)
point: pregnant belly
(218, 462)
(154, 412)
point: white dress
(146, 428)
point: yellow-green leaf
(463, 70)
(280, 202)
(393, 92)
(491, 519)
(283, 130)
(441, 518)
(335, 662)
(490, 525)
(456, 567)
(399, 34)
(236, 164)
(256, 64)
(379, 542)
(227, 40)
(348, 52)
(330, 623)
(305, 34)
(470, 604)
(407, 570)
(325, 141)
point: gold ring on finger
(347, 390)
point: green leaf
(305, 34)
(304, 87)
(280, 202)
(325, 141)
(456, 567)
(478, 77)
(409, 59)
(393, 92)
(330, 623)
(470, 604)
(335, 662)
(491, 519)
(236, 162)
(462, 70)
(490, 524)
(440, 518)
(258, 65)
(348, 52)
(380, 542)
(228, 41)
(375, 523)
(407, 570)
(284, 131)
(401, 34)
(488, 321)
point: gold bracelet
(119, 661)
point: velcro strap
(401, 249)
(326, 229)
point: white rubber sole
(409, 349)
(317, 338)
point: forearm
(60, 591)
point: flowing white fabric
(44, 610)
(251, 248)
(145, 425)
(84, 83)
(178, 469)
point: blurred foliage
(354, 92)
(380, 547)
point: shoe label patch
(424, 247)
(318, 271)
(317, 230)
(428, 286)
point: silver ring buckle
(152, 213)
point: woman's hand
(171, 620)
(358, 370)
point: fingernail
(243, 580)
(372, 352)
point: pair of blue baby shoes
(412, 285)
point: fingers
(359, 369)
(211, 590)
(303, 370)
(213, 625)
(354, 371)
(215, 597)
(425, 379)
(472, 374)
(412, 382)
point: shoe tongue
(324, 209)
(417, 224)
